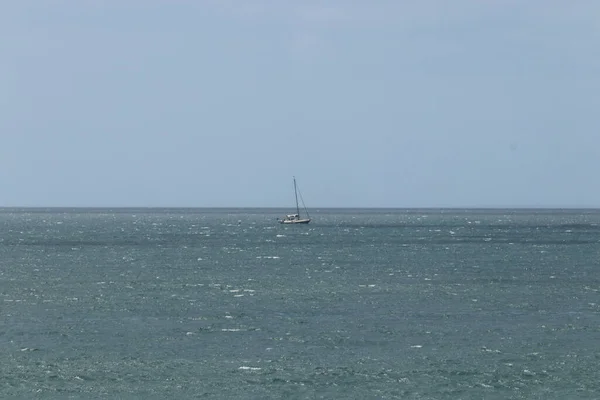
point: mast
(296, 194)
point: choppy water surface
(365, 304)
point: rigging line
(303, 205)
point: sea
(359, 304)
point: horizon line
(311, 208)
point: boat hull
(294, 221)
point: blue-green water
(363, 304)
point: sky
(219, 103)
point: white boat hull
(294, 221)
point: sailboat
(295, 218)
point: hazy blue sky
(369, 103)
